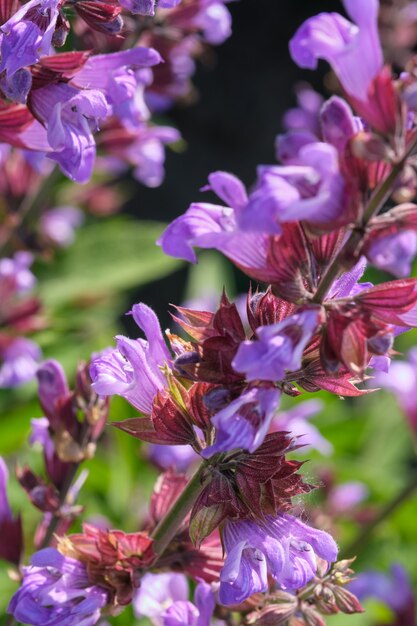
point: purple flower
(353, 50)
(15, 275)
(278, 347)
(245, 422)
(182, 613)
(214, 20)
(56, 590)
(19, 362)
(147, 7)
(70, 116)
(306, 115)
(177, 457)
(394, 590)
(157, 592)
(394, 253)
(11, 535)
(282, 547)
(207, 225)
(313, 190)
(147, 153)
(52, 386)
(338, 124)
(347, 496)
(402, 381)
(59, 224)
(27, 35)
(117, 77)
(296, 422)
(133, 369)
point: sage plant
(304, 234)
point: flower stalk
(375, 204)
(169, 525)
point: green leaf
(107, 256)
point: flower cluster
(54, 102)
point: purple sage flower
(59, 224)
(117, 77)
(245, 422)
(133, 369)
(214, 226)
(56, 590)
(157, 592)
(70, 117)
(182, 613)
(352, 49)
(282, 547)
(394, 253)
(312, 189)
(27, 35)
(278, 347)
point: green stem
(363, 538)
(375, 204)
(169, 525)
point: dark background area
(243, 92)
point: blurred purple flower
(56, 590)
(305, 117)
(283, 547)
(59, 224)
(402, 381)
(177, 457)
(157, 592)
(394, 253)
(296, 422)
(147, 7)
(353, 50)
(19, 362)
(214, 20)
(342, 498)
(182, 613)
(15, 275)
(394, 590)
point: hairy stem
(53, 524)
(363, 538)
(375, 204)
(169, 525)
(72, 472)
